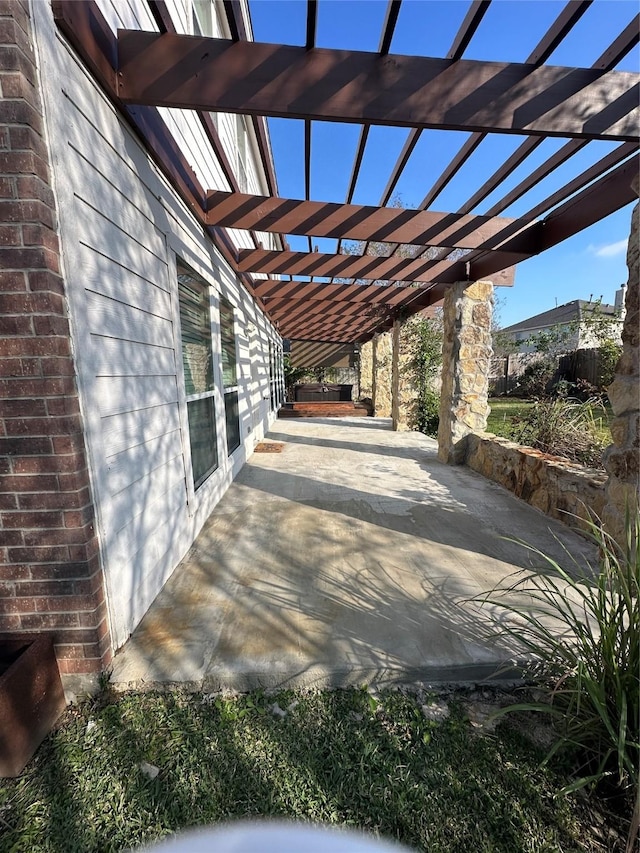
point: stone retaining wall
(557, 487)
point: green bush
(609, 353)
(427, 412)
(583, 636)
(425, 347)
(538, 378)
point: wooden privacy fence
(581, 364)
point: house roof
(561, 314)
(350, 298)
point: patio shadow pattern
(347, 558)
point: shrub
(426, 412)
(563, 428)
(538, 378)
(588, 662)
(425, 359)
(609, 353)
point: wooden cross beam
(320, 265)
(252, 78)
(372, 294)
(351, 221)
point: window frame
(225, 306)
(242, 154)
(185, 399)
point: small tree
(592, 325)
(424, 335)
(425, 346)
(609, 353)
(292, 375)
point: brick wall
(50, 572)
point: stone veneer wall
(50, 570)
(622, 458)
(381, 366)
(365, 370)
(375, 373)
(553, 485)
(466, 357)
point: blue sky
(591, 263)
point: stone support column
(622, 458)
(466, 356)
(395, 374)
(374, 373)
(382, 374)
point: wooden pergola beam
(321, 265)
(350, 221)
(370, 294)
(476, 12)
(300, 310)
(356, 312)
(594, 203)
(252, 78)
(329, 329)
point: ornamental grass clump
(581, 631)
(564, 427)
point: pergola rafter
(372, 294)
(566, 20)
(349, 221)
(470, 24)
(144, 71)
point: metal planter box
(31, 697)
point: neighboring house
(573, 326)
(140, 371)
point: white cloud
(609, 250)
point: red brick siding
(50, 572)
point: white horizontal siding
(119, 394)
(136, 462)
(115, 319)
(120, 224)
(115, 357)
(129, 503)
(129, 429)
(180, 11)
(159, 527)
(187, 129)
(108, 277)
(110, 203)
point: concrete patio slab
(347, 558)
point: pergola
(351, 298)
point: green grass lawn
(342, 758)
(502, 410)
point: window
(241, 138)
(229, 375)
(228, 340)
(197, 362)
(275, 374)
(204, 18)
(202, 13)
(279, 375)
(232, 417)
